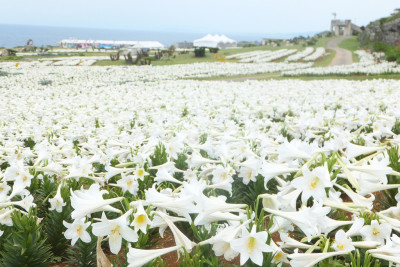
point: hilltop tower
(337, 25)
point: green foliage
(379, 46)
(285, 133)
(392, 17)
(357, 260)
(159, 157)
(185, 112)
(180, 163)
(25, 244)
(200, 52)
(83, 254)
(387, 198)
(4, 73)
(392, 52)
(119, 261)
(351, 44)
(247, 194)
(396, 127)
(213, 50)
(42, 191)
(28, 142)
(203, 138)
(198, 259)
(54, 229)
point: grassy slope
(351, 44)
(190, 58)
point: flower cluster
(294, 173)
(299, 55)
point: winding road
(343, 56)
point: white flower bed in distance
(300, 55)
(319, 52)
(151, 73)
(367, 65)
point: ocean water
(18, 35)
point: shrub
(200, 52)
(25, 244)
(379, 47)
(214, 50)
(392, 53)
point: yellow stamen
(79, 230)
(375, 231)
(252, 242)
(115, 230)
(315, 182)
(141, 218)
(278, 255)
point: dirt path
(343, 56)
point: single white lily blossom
(376, 231)
(251, 245)
(313, 183)
(77, 230)
(86, 202)
(141, 219)
(57, 201)
(115, 229)
(342, 242)
(128, 183)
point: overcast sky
(215, 16)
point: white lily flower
(376, 231)
(342, 242)
(310, 259)
(139, 257)
(313, 183)
(141, 220)
(180, 239)
(57, 201)
(115, 229)
(77, 230)
(86, 202)
(251, 245)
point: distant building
(345, 26)
(270, 41)
(183, 44)
(108, 44)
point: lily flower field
(145, 166)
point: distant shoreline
(17, 35)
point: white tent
(149, 45)
(214, 41)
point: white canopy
(215, 41)
(148, 44)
